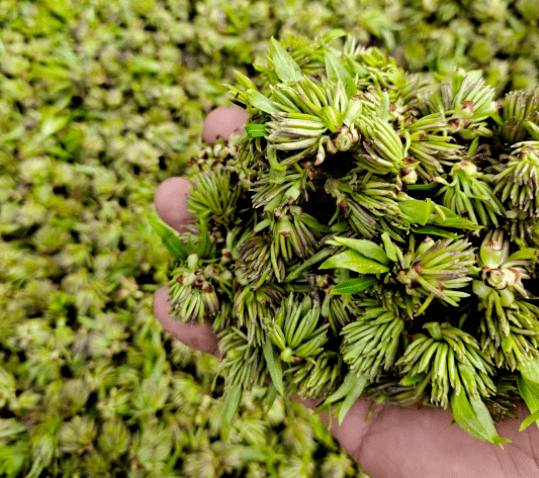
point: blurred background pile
(100, 101)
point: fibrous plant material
(370, 233)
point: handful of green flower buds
(370, 233)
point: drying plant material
(371, 233)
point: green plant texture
(370, 227)
(99, 103)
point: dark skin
(397, 442)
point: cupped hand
(397, 442)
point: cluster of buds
(300, 336)
(344, 174)
(498, 271)
(193, 290)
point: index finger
(171, 196)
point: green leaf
(256, 130)
(528, 385)
(171, 241)
(434, 231)
(352, 396)
(345, 388)
(451, 219)
(353, 285)
(417, 211)
(383, 114)
(408, 380)
(231, 404)
(534, 417)
(262, 225)
(524, 253)
(271, 395)
(333, 35)
(422, 187)
(530, 370)
(271, 155)
(353, 261)
(258, 100)
(332, 118)
(390, 248)
(204, 241)
(313, 223)
(286, 68)
(336, 71)
(274, 365)
(366, 248)
(473, 417)
(244, 81)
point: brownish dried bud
(342, 204)
(467, 105)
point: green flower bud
(494, 250)
(466, 167)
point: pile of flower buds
(371, 233)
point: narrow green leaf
(366, 248)
(417, 211)
(204, 241)
(336, 71)
(352, 396)
(383, 114)
(258, 100)
(332, 118)
(451, 219)
(244, 81)
(456, 222)
(332, 35)
(231, 404)
(262, 225)
(353, 285)
(171, 241)
(408, 380)
(524, 253)
(534, 417)
(313, 223)
(530, 370)
(271, 395)
(271, 154)
(256, 130)
(528, 385)
(390, 248)
(286, 68)
(422, 187)
(434, 231)
(353, 261)
(274, 365)
(345, 388)
(473, 417)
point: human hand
(397, 442)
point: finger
(171, 202)
(171, 196)
(222, 121)
(194, 335)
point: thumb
(197, 336)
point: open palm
(397, 442)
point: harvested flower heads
(370, 234)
